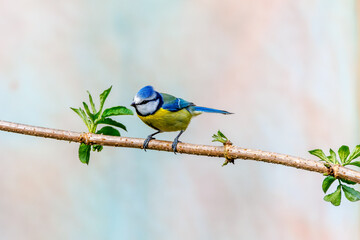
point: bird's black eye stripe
(145, 101)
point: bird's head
(147, 101)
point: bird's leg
(176, 141)
(147, 140)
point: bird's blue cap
(146, 92)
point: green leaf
(78, 113)
(351, 194)
(327, 165)
(356, 163)
(112, 122)
(327, 183)
(347, 181)
(335, 197)
(103, 97)
(333, 157)
(97, 148)
(217, 139)
(87, 120)
(108, 131)
(344, 152)
(91, 116)
(91, 103)
(115, 111)
(82, 115)
(320, 154)
(84, 153)
(355, 154)
(221, 134)
(225, 163)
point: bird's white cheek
(148, 108)
(137, 99)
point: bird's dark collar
(161, 102)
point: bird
(166, 113)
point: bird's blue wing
(174, 104)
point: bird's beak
(132, 104)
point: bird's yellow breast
(167, 121)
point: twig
(231, 152)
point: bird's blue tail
(210, 110)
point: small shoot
(220, 137)
(93, 118)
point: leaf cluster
(92, 118)
(345, 158)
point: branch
(227, 151)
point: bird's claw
(146, 142)
(174, 145)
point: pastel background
(288, 70)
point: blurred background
(288, 70)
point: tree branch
(227, 151)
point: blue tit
(166, 113)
